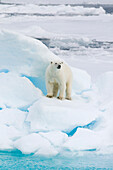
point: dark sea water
(107, 7)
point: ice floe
(35, 124)
(49, 10)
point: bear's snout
(59, 66)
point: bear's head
(57, 64)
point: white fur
(59, 79)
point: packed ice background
(31, 36)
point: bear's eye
(61, 63)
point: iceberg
(35, 124)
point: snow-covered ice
(23, 54)
(33, 123)
(13, 117)
(23, 96)
(82, 41)
(43, 21)
(105, 85)
(82, 37)
(84, 139)
(63, 116)
(34, 143)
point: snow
(83, 139)
(16, 46)
(56, 115)
(7, 135)
(5, 143)
(23, 96)
(35, 124)
(9, 132)
(34, 143)
(78, 84)
(31, 122)
(26, 115)
(97, 25)
(56, 138)
(105, 84)
(13, 117)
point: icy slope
(32, 123)
(21, 54)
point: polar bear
(59, 78)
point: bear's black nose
(59, 66)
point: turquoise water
(15, 160)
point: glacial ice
(34, 124)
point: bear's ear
(51, 62)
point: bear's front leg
(49, 89)
(62, 88)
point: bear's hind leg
(55, 89)
(68, 91)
